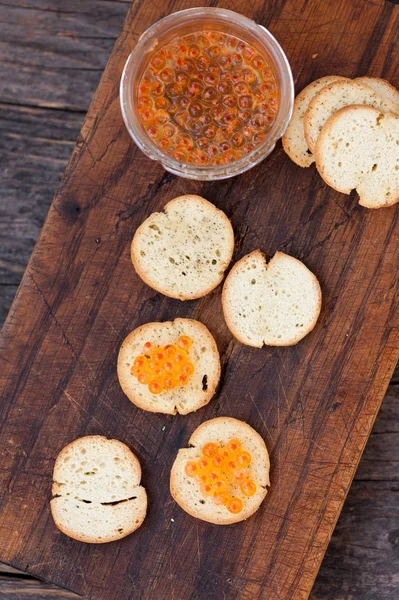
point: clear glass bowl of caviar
(207, 92)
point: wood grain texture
(300, 415)
(362, 561)
(30, 589)
(85, 35)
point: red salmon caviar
(210, 449)
(203, 464)
(206, 489)
(219, 485)
(221, 498)
(248, 488)
(184, 341)
(207, 85)
(222, 472)
(244, 458)
(191, 469)
(235, 505)
(142, 377)
(155, 386)
(164, 367)
(234, 445)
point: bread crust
(146, 275)
(258, 255)
(301, 155)
(144, 332)
(206, 432)
(64, 491)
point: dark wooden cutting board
(313, 403)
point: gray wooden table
(52, 54)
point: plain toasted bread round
(97, 496)
(184, 251)
(335, 96)
(276, 303)
(358, 148)
(186, 491)
(382, 87)
(203, 354)
(294, 142)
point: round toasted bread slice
(203, 355)
(382, 87)
(275, 303)
(184, 251)
(358, 148)
(187, 491)
(294, 142)
(335, 96)
(97, 496)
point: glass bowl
(181, 23)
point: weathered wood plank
(36, 146)
(53, 54)
(362, 562)
(8, 570)
(381, 457)
(337, 558)
(12, 588)
(7, 293)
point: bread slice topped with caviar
(171, 367)
(358, 148)
(275, 303)
(223, 475)
(184, 251)
(294, 142)
(97, 496)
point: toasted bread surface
(276, 303)
(97, 496)
(184, 251)
(358, 148)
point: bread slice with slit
(186, 490)
(335, 96)
(203, 354)
(358, 148)
(97, 496)
(382, 87)
(184, 251)
(276, 303)
(294, 142)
